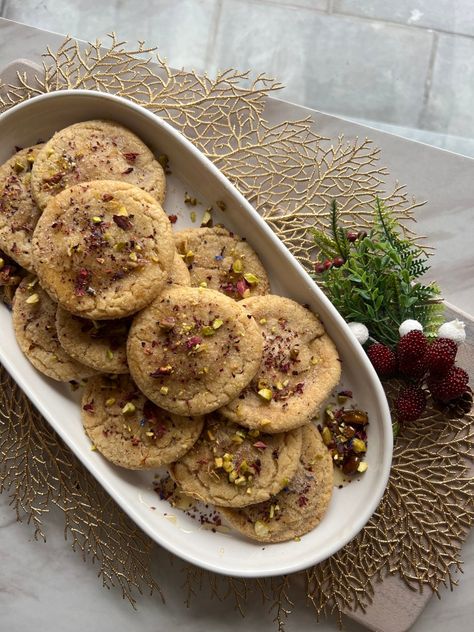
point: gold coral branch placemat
(290, 174)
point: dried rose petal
(130, 156)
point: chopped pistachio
(251, 278)
(18, 167)
(326, 435)
(286, 382)
(358, 445)
(218, 461)
(246, 293)
(189, 257)
(93, 448)
(240, 480)
(262, 321)
(203, 284)
(206, 218)
(149, 433)
(362, 467)
(192, 215)
(279, 386)
(254, 433)
(237, 266)
(285, 481)
(110, 401)
(119, 246)
(265, 421)
(237, 439)
(227, 466)
(233, 475)
(266, 394)
(261, 529)
(138, 248)
(207, 331)
(122, 212)
(217, 323)
(128, 409)
(164, 390)
(314, 360)
(133, 256)
(192, 201)
(34, 298)
(97, 220)
(272, 512)
(249, 490)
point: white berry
(360, 331)
(409, 325)
(454, 330)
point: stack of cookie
(189, 361)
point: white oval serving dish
(352, 506)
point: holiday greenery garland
(372, 278)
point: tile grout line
(213, 38)
(428, 80)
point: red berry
(383, 360)
(440, 356)
(327, 264)
(410, 403)
(351, 235)
(338, 262)
(411, 352)
(319, 267)
(449, 386)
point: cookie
(34, 316)
(18, 210)
(99, 344)
(131, 431)
(95, 150)
(231, 467)
(103, 250)
(299, 369)
(193, 350)
(223, 261)
(299, 507)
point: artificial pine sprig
(371, 277)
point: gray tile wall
(401, 62)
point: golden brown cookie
(131, 431)
(193, 350)
(99, 344)
(18, 210)
(223, 261)
(95, 150)
(299, 369)
(300, 506)
(232, 467)
(34, 315)
(103, 250)
(179, 274)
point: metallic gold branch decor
(290, 174)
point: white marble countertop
(48, 587)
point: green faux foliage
(378, 283)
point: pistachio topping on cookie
(193, 350)
(233, 467)
(18, 210)
(299, 368)
(223, 261)
(299, 506)
(131, 431)
(103, 249)
(95, 150)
